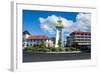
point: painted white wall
(50, 43)
(26, 36)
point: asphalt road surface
(38, 57)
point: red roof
(80, 33)
(39, 37)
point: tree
(42, 43)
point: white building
(29, 40)
(81, 40)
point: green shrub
(73, 49)
(53, 49)
(60, 49)
(46, 50)
(34, 49)
(41, 50)
(77, 49)
(29, 48)
(66, 49)
(69, 49)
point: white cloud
(49, 23)
(45, 27)
(83, 22)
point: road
(38, 57)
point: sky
(43, 22)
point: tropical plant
(42, 44)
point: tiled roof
(37, 37)
(80, 33)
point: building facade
(80, 39)
(31, 40)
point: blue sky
(32, 20)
